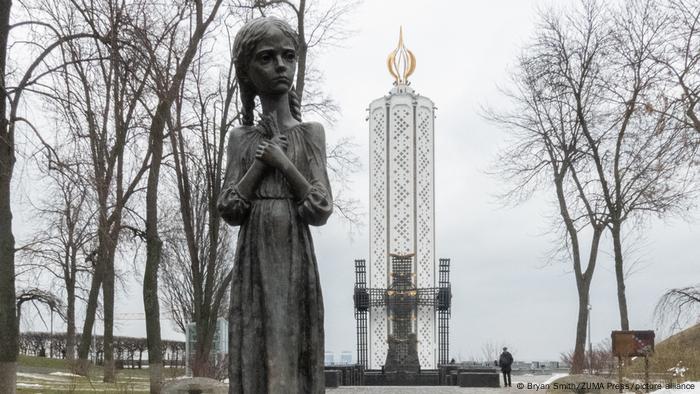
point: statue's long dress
(276, 316)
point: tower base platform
(445, 375)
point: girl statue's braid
(247, 92)
(294, 104)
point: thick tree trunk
(9, 332)
(583, 285)
(202, 365)
(150, 293)
(579, 358)
(108, 306)
(153, 252)
(83, 365)
(70, 322)
(8, 313)
(302, 51)
(301, 67)
(583, 276)
(620, 275)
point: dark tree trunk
(302, 52)
(108, 306)
(583, 277)
(153, 252)
(583, 285)
(201, 365)
(70, 321)
(579, 357)
(83, 364)
(620, 275)
(9, 345)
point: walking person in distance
(505, 361)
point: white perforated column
(401, 176)
(401, 209)
(378, 274)
(425, 217)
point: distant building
(552, 364)
(537, 365)
(329, 358)
(346, 357)
(219, 344)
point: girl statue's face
(274, 62)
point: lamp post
(51, 337)
(590, 345)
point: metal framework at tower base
(361, 313)
(401, 297)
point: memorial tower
(402, 297)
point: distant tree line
(129, 351)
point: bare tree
(678, 307)
(41, 296)
(547, 150)
(10, 99)
(490, 351)
(59, 247)
(600, 360)
(172, 65)
(641, 160)
(681, 57)
(197, 243)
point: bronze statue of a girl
(275, 186)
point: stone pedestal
(479, 378)
(402, 355)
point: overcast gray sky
(503, 289)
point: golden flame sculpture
(401, 62)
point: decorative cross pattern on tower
(402, 301)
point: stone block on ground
(479, 379)
(332, 378)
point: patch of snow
(180, 377)
(29, 385)
(39, 376)
(555, 377)
(67, 374)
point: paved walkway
(424, 389)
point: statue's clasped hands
(271, 150)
